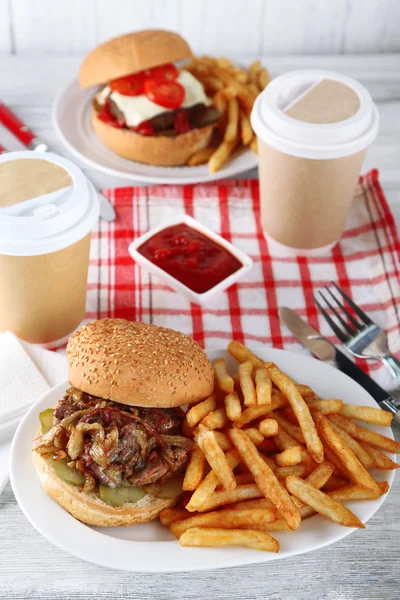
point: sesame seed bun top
(138, 364)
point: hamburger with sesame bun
(112, 452)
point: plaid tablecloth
(365, 264)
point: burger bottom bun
(89, 508)
(160, 150)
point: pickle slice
(46, 419)
(66, 473)
(167, 490)
(118, 496)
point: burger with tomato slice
(148, 109)
(112, 451)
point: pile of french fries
(269, 453)
(233, 90)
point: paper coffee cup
(47, 212)
(313, 129)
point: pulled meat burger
(112, 452)
(148, 109)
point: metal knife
(327, 352)
(29, 139)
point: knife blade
(31, 141)
(328, 353)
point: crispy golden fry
(268, 427)
(254, 145)
(245, 97)
(301, 410)
(231, 131)
(195, 469)
(213, 84)
(263, 78)
(222, 497)
(200, 157)
(322, 503)
(332, 458)
(357, 473)
(171, 515)
(263, 386)
(241, 76)
(258, 503)
(223, 440)
(246, 383)
(268, 459)
(253, 71)
(305, 390)
(366, 435)
(253, 89)
(230, 93)
(326, 407)
(220, 156)
(258, 540)
(225, 519)
(232, 406)
(255, 435)
(379, 460)
(226, 63)
(201, 410)
(284, 441)
(216, 459)
(220, 102)
(289, 457)
(282, 472)
(278, 525)
(224, 381)
(242, 354)
(318, 478)
(358, 492)
(265, 478)
(216, 419)
(368, 414)
(354, 446)
(335, 482)
(246, 131)
(290, 428)
(255, 412)
(244, 478)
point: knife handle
(15, 125)
(389, 405)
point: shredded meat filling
(114, 443)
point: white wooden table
(362, 566)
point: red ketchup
(190, 256)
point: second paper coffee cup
(47, 212)
(313, 129)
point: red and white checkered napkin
(365, 264)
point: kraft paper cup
(44, 245)
(313, 130)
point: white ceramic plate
(72, 122)
(151, 547)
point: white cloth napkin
(26, 373)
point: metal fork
(361, 336)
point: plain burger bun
(131, 53)
(153, 150)
(89, 508)
(138, 364)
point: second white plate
(71, 120)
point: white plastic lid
(314, 140)
(52, 221)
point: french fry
(216, 459)
(255, 435)
(223, 440)
(245, 97)
(257, 503)
(253, 89)
(246, 131)
(282, 472)
(368, 414)
(357, 473)
(322, 503)
(289, 457)
(366, 435)
(195, 469)
(290, 428)
(225, 519)
(221, 497)
(242, 76)
(246, 383)
(232, 406)
(268, 427)
(220, 102)
(301, 410)
(220, 156)
(258, 540)
(326, 407)
(335, 482)
(216, 419)
(230, 93)
(171, 515)
(197, 413)
(263, 386)
(379, 460)
(284, 441)
(354, 446)
(231, 131)
(358, 492)
(278, 525)
(305, 390)
(200, 157)
(263, 78)
(213, 84)
(242, 354)
(253, 71)
(226, 63)
(318, 478)
(254, 145)
(224, 381)
(244, 478)
(267, 446)
(265, 478)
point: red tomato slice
(144, 128)
(169, 94)
(106, 116)
(131, 85)
(167, 72)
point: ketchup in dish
(190, 256)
